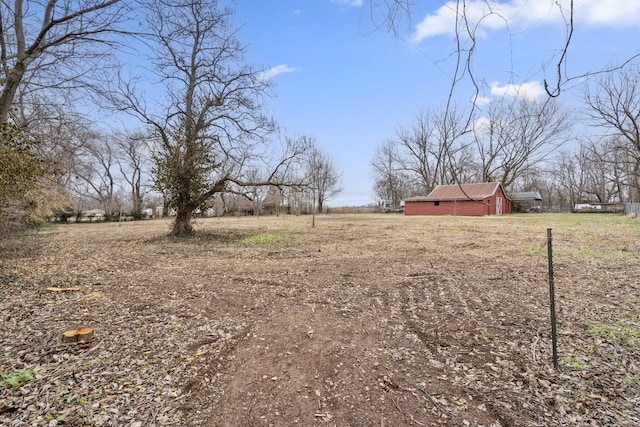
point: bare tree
(416, 146)
(51, 44)
(211, 131)
(324, 179)
(614, 101)
(595, 172)
(47, 51)
(607, 172)
(133, 156)
(390, 182)
(96, 171)
(274, 199)
(452, 125)
(572, 176)
(516, 135)
(84, 160)
(60, 134)
(433, 149)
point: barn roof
(525, 195)
(459, 192)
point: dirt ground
(363, 320)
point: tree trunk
(137, 201)
(14, 77)
(182, 224)
(634, 195)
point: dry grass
(368, 319)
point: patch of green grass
(620, 333)
(15, 378)
(50, 416)
(85, 400)
(601, 255)
(572, 362)
(93, 362)
(632, 381)
(535, 251)
(589, 253)
(263, 238)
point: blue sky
(350, 84)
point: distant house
(388, 205)
(596, 207)
(526, 201)
(94, 214)
(461, 200)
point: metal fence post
(552, 300)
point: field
(362, 320)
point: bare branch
(556, 92)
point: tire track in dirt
(467, 330)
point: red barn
(461, 200)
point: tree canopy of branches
(211, 133)
(49, 45)
(516, 134)
(390, 183)
(95, 170)
(324, 179)
(132, 156)
(442, 148)
(432, 148)
(614, 101)
(46, 48)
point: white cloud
(487, 15)
(608, 12)
(482, 125)
(274, 71)
(481, 14)
(481, 100)
(530, 90)
(350, 3)
(439, 23)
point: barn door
(498, 205)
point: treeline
(588, 155)
(193, 128)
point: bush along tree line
(21, 172)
